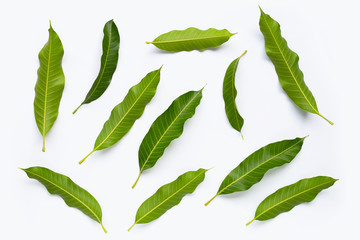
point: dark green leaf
(167, 127)
(253, 168)
(229, 95)
(286, 198)
(109, 60)
(168, 196)
(73, 195)
(286, 65)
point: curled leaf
(286, 198)
(286, 64)
(167, 127)
(109, 60)
(253, 168)
(191, 39)
(229, 95)
(168, 196)
(70, 192)
(124, 115)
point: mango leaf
(253, 168)
(73, 195)
(286, 198)
(229, 95)
(168, 196)
(124, 115)
(109, 60)
(50, 84)
(167, 127)
(191, 39)
(286, 65)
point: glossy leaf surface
(167, 127)
(70, 192)
(50, 84)
(168, 196)
(286, 198)
(191, 39)
(109, 60)
(229, 95)
(286, 65)
(253, 168)
(124, 115)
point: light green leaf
(50, 84)
(73, 195)
(286, 65)
(168, 196)
(191, 39)
(167, 127)
(124, 115)
(109, 60)
(286, 198)
(253, 168)
(229, 95)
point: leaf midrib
(192, 39)
(292, 74)
(168, 198)
(287, 199)
(46, 87)
(120, 121)
(259, 166)
(171, 124)
(71, 195)
(103, 69)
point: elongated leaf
(286, 65)
(229, 95)
(50, 84)
(124, 115)
(109, 60)
(168, 196)
(191, 39)
(286, 198)
(253, 168)
(167, 127)
(73, 195)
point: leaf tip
(203, 87)
(50, 23)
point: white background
(325, 34)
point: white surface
(325, 34)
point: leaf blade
(72, 194)
(229, 96)
(109, 60)
(286, 198)
(168, 196)
(124, 115)
(191, 39)
(167, 127)
(49, 85)
(286, 65)
(251, 170)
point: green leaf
(124, 115)
(253, 168)
(167, 127)
(109, 60)
(286, 65)
(50, 84)
(168, 196)
(191, 39)
(286, 198)
(229, 95)
(73, 195)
